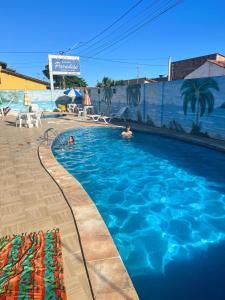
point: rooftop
(14, 73)
(199, 57)
(218, 63)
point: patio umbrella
(86, 100)
(72, 93)
(63, 100)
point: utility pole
(63, 76)
(169, 68)
(138, 73)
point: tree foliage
(70, 81)
(107, 82)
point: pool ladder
(50, 135)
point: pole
(138, 71)
(51, 76)
(169, 68)
(63, 82)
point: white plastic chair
(71, 107)
(35, 119)
(22, 119)
(119, 115)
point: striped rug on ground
(31, 267)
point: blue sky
(192, 28)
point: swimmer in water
(71, 140)
(127, 133)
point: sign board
(63, 65)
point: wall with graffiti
(194, 106)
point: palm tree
(197, 93)
(70, 81)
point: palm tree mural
(6, 97)
(134, 98)
(107, 96)
(106, 84)
(197, 93)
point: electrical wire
(121, 62)
(123, 25)
(129, 33)
(111, 25)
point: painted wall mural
(41, 97)
(10, 96)
(197, 93)
(107, 97)
(134, 99)
(195, 106)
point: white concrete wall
(208, 69)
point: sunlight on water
(161, 199)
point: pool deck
(37, 193)
(34, 195)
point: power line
(122, 62)
(25, 52)
(122, 25)
(132, 28)
(140, 26)
(111, 25)
(136, 59)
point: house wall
(180, 69)
(13, 82)
(208, 69)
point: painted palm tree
(134, 98)
(197, 93)
(107, 97)
(134, 94)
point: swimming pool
(164, 203)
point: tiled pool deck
(32, 198)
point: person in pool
(71, 140)
(127, 133)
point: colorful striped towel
(31, 267)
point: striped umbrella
(72, 93)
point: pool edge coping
(106, 271)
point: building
(211, 68)
(182, 68)
(11, 80)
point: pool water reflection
(164, 203)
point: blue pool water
(164, 203)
